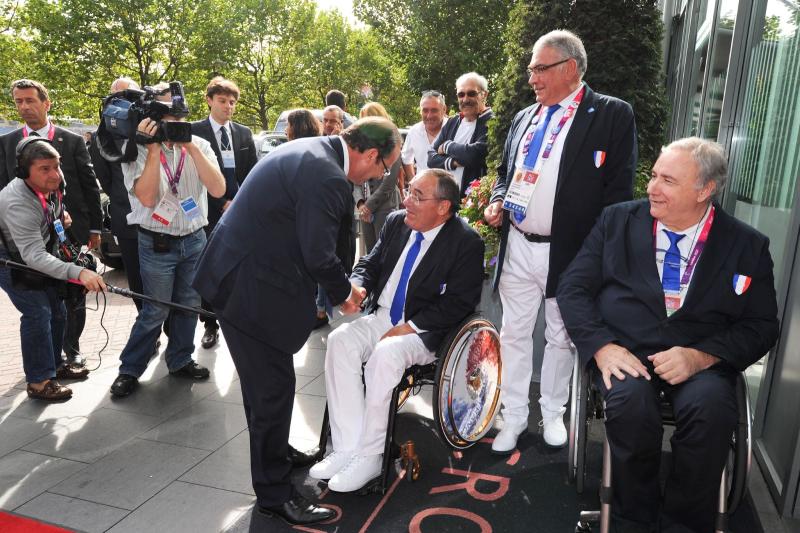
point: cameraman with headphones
(32, 224)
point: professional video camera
(122, 111)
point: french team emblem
(599, 158)
(741, 283)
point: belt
(532, 237)
(167, 235)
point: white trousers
(522, 287)
(358, 420)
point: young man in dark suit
(673, 296)
(423, 278)
(82, 195)
(260, 271)
(566, 157)
(236, 155)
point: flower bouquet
(475, 201)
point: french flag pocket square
(741, 283)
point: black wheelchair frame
(414, 378)
(587, 405)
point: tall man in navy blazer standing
(671, 295)
(260, 271)
(553, 181)
(236, 154)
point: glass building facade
(733, 75)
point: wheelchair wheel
(578, 426)
(467, 383)
(741, 449)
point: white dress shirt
(416, 146)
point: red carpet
(16, 524)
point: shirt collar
(432, 233)
(565, 103)
(692, 230)
(216, 125)
(346, 156)
(43, 132)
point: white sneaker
(359, 471)
(555, 434)
(331, 464)
(506, 441)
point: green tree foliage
(438, 40)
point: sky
(345, 7)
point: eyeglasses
(386, 170)
(471, 94)
(435, 94)
(541, 69)
(416, 199)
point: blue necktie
(399, 300)
(536, 146)
(670, 280)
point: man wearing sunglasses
(461, 145)
(566, 157)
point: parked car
(267, 141)
(109, 251)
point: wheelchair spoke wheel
(467, 383)
(741, 449)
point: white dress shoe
(328, 467)
(359, 471)
(506, 441)
(555, 434)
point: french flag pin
(599, 158)
(741, 283)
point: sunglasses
(471, 94)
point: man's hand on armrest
(678, 364)
(614, 359)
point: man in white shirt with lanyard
(565, 158)
(420, 137)
(167, 185)
(671, 297)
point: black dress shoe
(210, 338)
(300, 459)
(124, 385)
(299, 511)
(192, 371)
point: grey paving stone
(25, 475)
(309, 361)
(205, 424)
(227, 468)
(183, 507)
(301, 381)
(131, 475)
(86, 397)
(17, 432)
(72, 513)
(231, 393)
(163, 398)
(307, 416)
(87, 439)
(315, 387)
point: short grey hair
(433, 94)
(339, 111)
(568, 44)
(446, 187)
(473, 76)
(122, 83)
(710, 157)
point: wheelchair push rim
(468, 382)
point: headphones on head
(21, 171)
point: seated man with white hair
(671, 296)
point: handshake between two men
(356, 300)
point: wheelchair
(586, 404)
(466, 379)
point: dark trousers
(705, 414)
(129, 249)
(76, 321)
(267, 379)
(208, 322)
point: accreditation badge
(190, 208)
(166, 210)
(672, 301)
(521, 190)
(228, 159)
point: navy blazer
(82, 195)
(472, 155)
(245, 158)
(277, 240)
(612, 292)
(601, 123)
(445, 287)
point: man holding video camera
(32, 229)
(167, 184)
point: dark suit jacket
(82, 196)
(472, 155)
(611, 292)
(244, 153)
(113, 183)
(600, 123)
(446, 286)
(277, 240)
